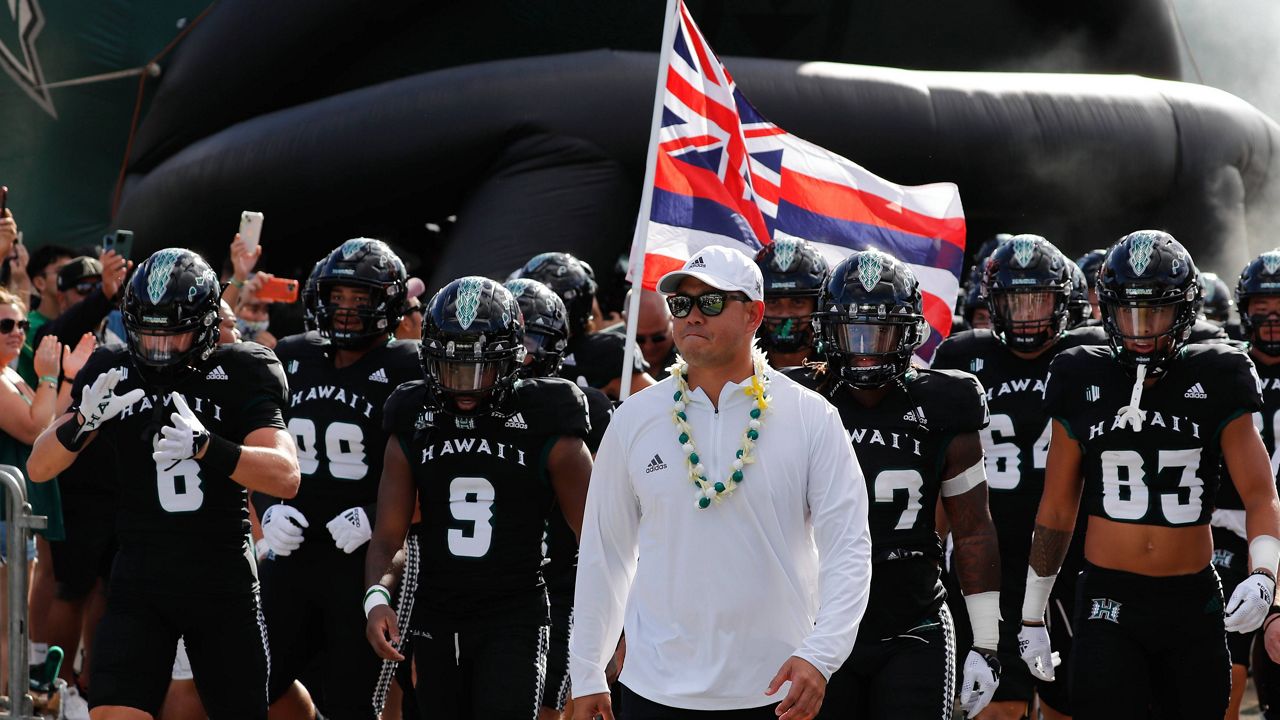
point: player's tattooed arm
(977, 552)
(1048, 549)
(1059, 503)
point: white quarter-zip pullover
(717, 599)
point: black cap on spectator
(76, 270)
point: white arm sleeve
(607, 555)
(837, 497)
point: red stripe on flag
(726, 118)
(655, 266)
(937, 312)
(765, 189)
(694, 36)
(684, 142)
(763, 132)
(846, 203)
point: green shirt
(27, 358)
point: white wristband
(1264, 553)
(984, 618)
(373, 597)
(1037, 597)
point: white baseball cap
(723, 268)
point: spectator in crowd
(653, 332)
(410, 327)
(43, 269)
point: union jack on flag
(726, 176)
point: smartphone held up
(251, 229)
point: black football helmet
(570, 278)
(1260, 278)
(369, 265)
(309, 295)
(546, 326)
(170, 313)
(1090, 263)
(792, 268)
(472, 344)
(1027, 276)
(870, 319)
(1217, 298)
(1148, 291)
(1079, 308)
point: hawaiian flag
(724, 175)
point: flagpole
(636, 261)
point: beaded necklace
(708, 491)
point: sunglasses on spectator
(654, 338)
(709, 304)
(8, 324)
(85, 288)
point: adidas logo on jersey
(379, 375)
(909, 417)
(1093, 393)
(516, 421)
(1196, 391)
(217, 374)
(655, 464)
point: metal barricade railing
(19, 522)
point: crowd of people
(439, 507)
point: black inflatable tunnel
(547, 152)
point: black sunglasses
(85, 288)
(654, 338)
(8, 324)
(709, 304)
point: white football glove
(1033, 646)
(98, 402)
(981, 678)
(282, 527)
(1249, 604)
(182, 439)
(350, 529)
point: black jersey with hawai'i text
(485, 495)
(901, 445)
(335, 417)
(1267, 420)
(1016, 442)
(1167, 474)
(182, 529)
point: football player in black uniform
(1142, 428)
(1089, 263)
(487, 459)
(1258, 300)
(591, 359)
(1028, 285)
(313, 579)
(545, 335)
(916, 433)
(195, 424)
(794, 273)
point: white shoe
(70, 705)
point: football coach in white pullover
(726, 520)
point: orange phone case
(279, 290)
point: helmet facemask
(1262, 329)
(1028, 320)
(1147, 333)
(870, 349)
(787, 333)
(360, 327)
(470, 369)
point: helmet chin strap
(1131, 414)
